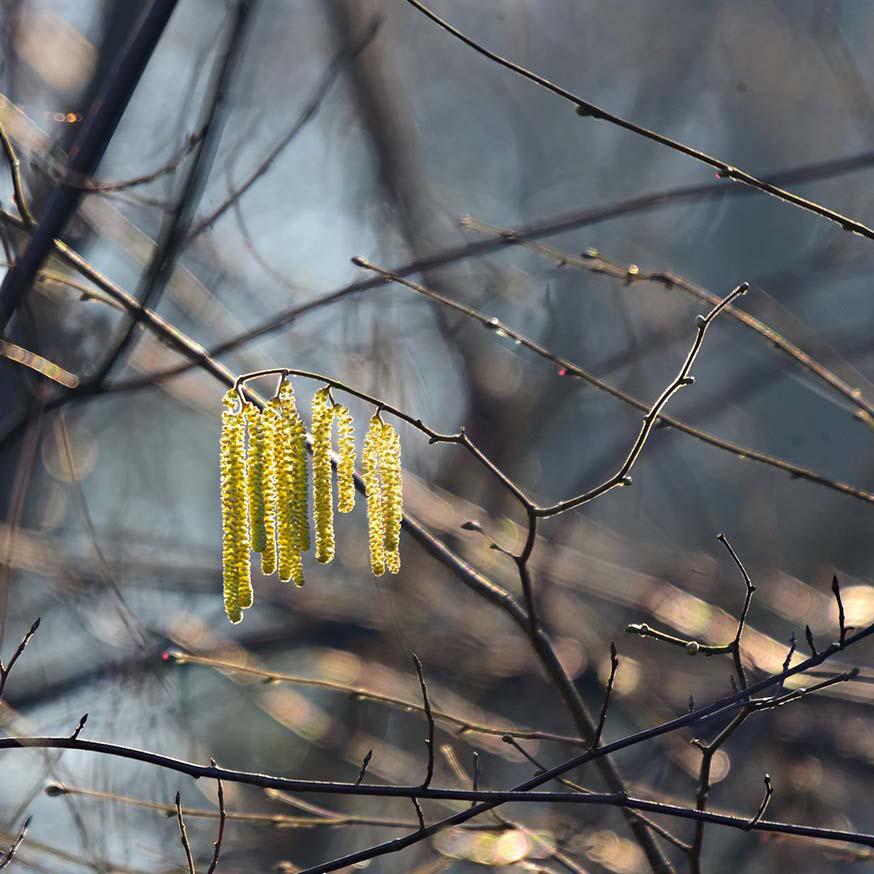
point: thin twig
(78, 730)
(17, 183)
(614, 664)
(6, 861)
(631, 274)
(769, 791)
(742, 621)
(461, 725)
(809, 635)
(419, 815)
(364, 764)
(587, 109)
(6, 669)
(429, 773)
(836, 591)
(183, 836)
(217, 847)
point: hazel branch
(363, 771)
(6, 669)
(630, 274)
(836, 591)
(223, 816)
(429, 774)
(769, 791)
(587, 109)
(183, 835)
(461, 725)
(9, 856)
(614, 665)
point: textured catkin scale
(392, 495)
(269, 420)
(346, 462)
(255, 478)
(245, 591)
(287, 535)
(300, 498)
(235, 523)
(373, 491)
(323, 498)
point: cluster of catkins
(264, 489)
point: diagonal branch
(586, 109)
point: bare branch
(364, 765)
(836, 591)
(221, 829)
(427, 708)
(6, 669)
(183, 835)
(614, 664)
(7, 859)
(769, 791)
(584, 108)
(78, 730)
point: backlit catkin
(346, 461)
(255, 478)
(373, 491)
(269, 422)
(323, 498)
(246, 593)
(290, 480)
(235, 522)
(265, 488)
(392, 495)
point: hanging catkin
(289, 480)
(246, 594)
(300, 498)
(269, 421)
(373, 491)
(255, 478)
(323, 498)
(265, 488)
(392, 495)
(235, 524)
(346, 462)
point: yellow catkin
(235, 523)
(300, 498)
(255, 478)
(346, 462)
(269, 421)
(392, 495)
(373, 491)
(286, 434)
(246, 593)
(323, 498)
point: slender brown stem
(631, 274)
(223, 816)
(183, 835)
(6, 669)
(460, 724)
(584, 108)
